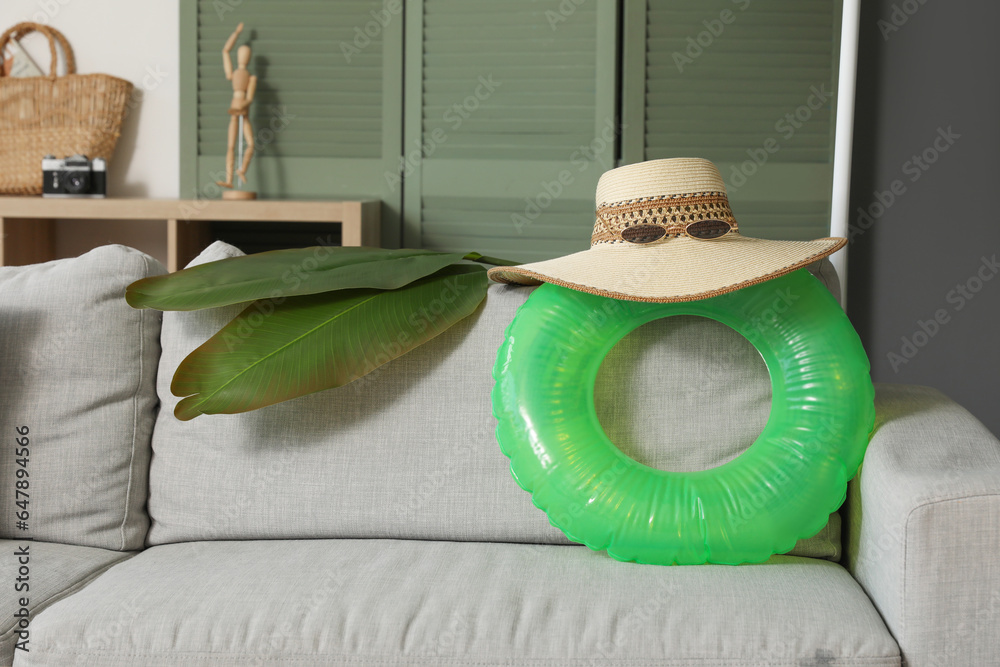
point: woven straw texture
(57, 115)
(675, 268)
(655, 178)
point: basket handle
(53, 35)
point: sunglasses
(701, 230)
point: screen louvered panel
(728, 76)
(560, 230)
(505, 81)
(318, 94)
(512, 95)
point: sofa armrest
(923, 528)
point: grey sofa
(377, 523)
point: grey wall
(921, 268)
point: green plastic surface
(780, 490)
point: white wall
(136, 40)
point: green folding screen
(748, 84)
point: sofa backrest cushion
(409, 451)
(77, 372)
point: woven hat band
(673, 212)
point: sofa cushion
(77, 369)
(413, 602)
(409, 450)
(51, 572)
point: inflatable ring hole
(683, 393)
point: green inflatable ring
(781, 489)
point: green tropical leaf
(285, 273)
(276, 350)
(486, 259)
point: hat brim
(672, 270)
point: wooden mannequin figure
(244, 87)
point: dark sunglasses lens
(643, 233)
(707, 229)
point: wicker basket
(57, 115)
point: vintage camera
(75, 176)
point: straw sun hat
(665, 233)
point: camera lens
(77, 183)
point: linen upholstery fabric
(922, 537)
(409, 450)
(413, 602)
(55, 571)
(77, 367)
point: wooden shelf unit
(27, 223)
